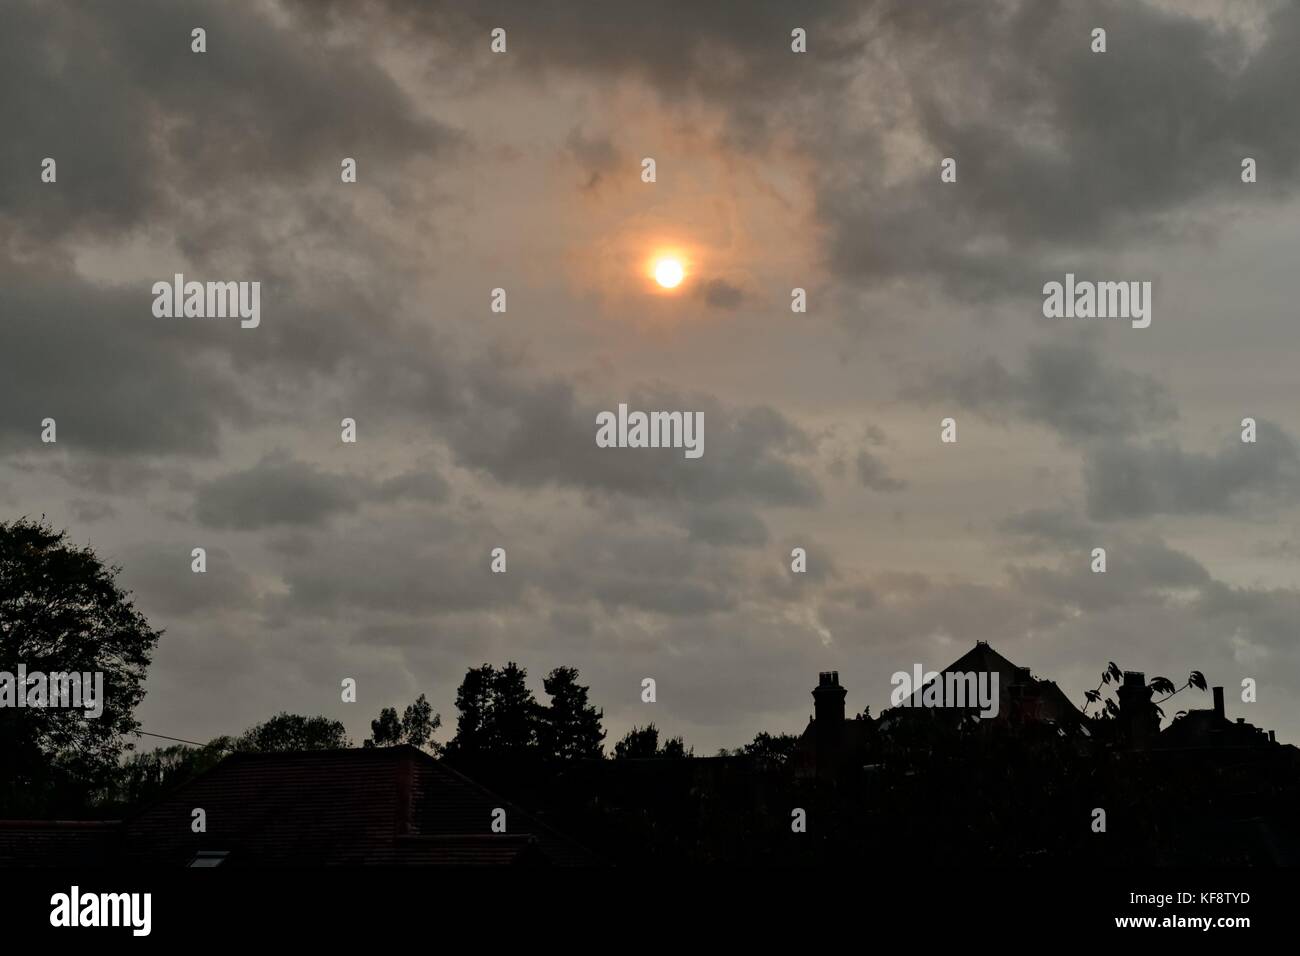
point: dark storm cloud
(116, 381)
(282, 490)
(533, 433)
(1125, 480)
(277, 490)
(139, 124)
(1064, 385)
(1058, 149)
(739, 57)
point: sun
(669, 273)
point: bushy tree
(416, 727)
(287, 732)
(570, 727)
(643, 742)
(500, 717)
(61, 610)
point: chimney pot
(828, 699)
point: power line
(179, 740)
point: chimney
(1136, 712)
(828, 703)
(1218, 702)
(828, 699)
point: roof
(58, 843)
(1209, 728)
(1051, 702)
(383, 805)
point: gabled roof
(982, 658)
(384, 805)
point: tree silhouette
(569, 728)
(775, 748)
(514, 712)
(643, 742)
(146, 776)
(385, 730)
(294, 732)
(416, 727)
(498, 713)
(474, 703)
(61, 610)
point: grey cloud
(277, 490)
(1058, 149)
(743, 61)
(723, 525)
(115, 379)
(596, 154)
(1137, 570)
(163, 581)
(138, 122)
(90, 511)
(423, 484)
(644, 569)
(281, 490)
(873, 473)
(431, 564)
(1044, 528)
(1135, 481)
(720, 294)
(537, 432)
(1065, 386)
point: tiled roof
(58, 843)
(385, 806)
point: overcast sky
(476, 429)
